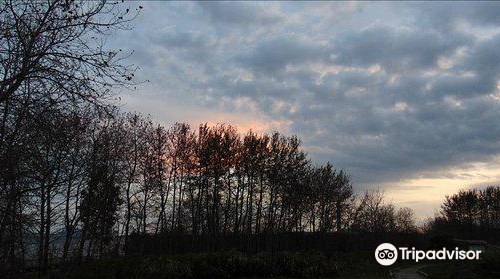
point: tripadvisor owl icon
(386, 254)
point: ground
(409, 273)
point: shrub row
(489, 265)
(210, 266)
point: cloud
(274, 55)
(447, 16)
(183, 40)
(238, 13)
(397, 49)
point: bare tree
(470, 213)
(373, 214)
(405, 220)
(58, 45)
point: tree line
(469, 214)
(94, 180)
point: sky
(404, 96)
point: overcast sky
(405, 96)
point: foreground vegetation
(232, 264)
(210, 266)
(227, 265)
(488, 267)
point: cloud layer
(389, 91)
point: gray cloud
(275, 54)
(397, 50)
(386, 101)
(183, 40)
(446, 16)
(238, 13)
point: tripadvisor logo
(387, 254)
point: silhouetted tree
(405, 220)
(57, 45)
(55, 71)
(101, 197)
(470, 213)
